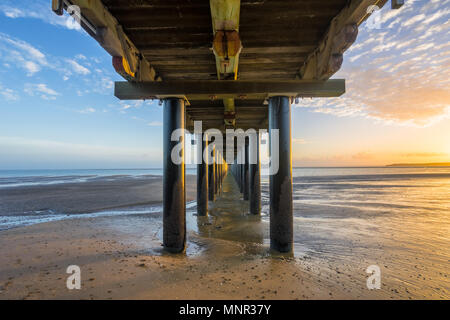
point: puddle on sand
(230, 228)
(227, 231)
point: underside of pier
(231, 64)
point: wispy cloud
(33, 62)
(78, 68)
(42, 90)
(299, 141)
(8, 94)
(87, 110)
(36, 10)
(128, 105)
(424, 154)
(398, 74)
(22, 54)
(155, 124)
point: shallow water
(28, 178)
(317, 192)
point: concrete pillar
(246, 176)
(216, 172)
(174, 199)
(202, 177)
(254, 176)
(221, 173)
(241, 173)
(234, 168)
(281, 217)
(219, 165)
(238, 177)
(211, 180)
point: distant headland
(436, 164)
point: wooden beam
(201, 50)
(112, 38)
(222, 89)
(227, 44)
(397, 4)
(58, 7)
(327, 58)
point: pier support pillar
(220, 173)
(216, 173)
(211, 178)
(281, 216)
(236, 169)
(241, 172)
(174, 201)
(246, 178)
(254, 176)
(238, 173)
(202, 177)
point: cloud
(41, 90)
(12, 12)
(155, 124)
(397, 75)
(78, 68)
(299, 141)
(363, 155)
(87, 110)
(22, 54)
(424, 155)
(8, 94)
(127, 105)
(107, 83)
(31, 61)
(31, 67)
(413, 20)
(37, 9)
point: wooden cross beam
(222, 89)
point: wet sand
(228, 257)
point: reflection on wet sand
(229, 218)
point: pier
(231, 64)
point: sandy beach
(228, 256)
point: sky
(58, 111)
